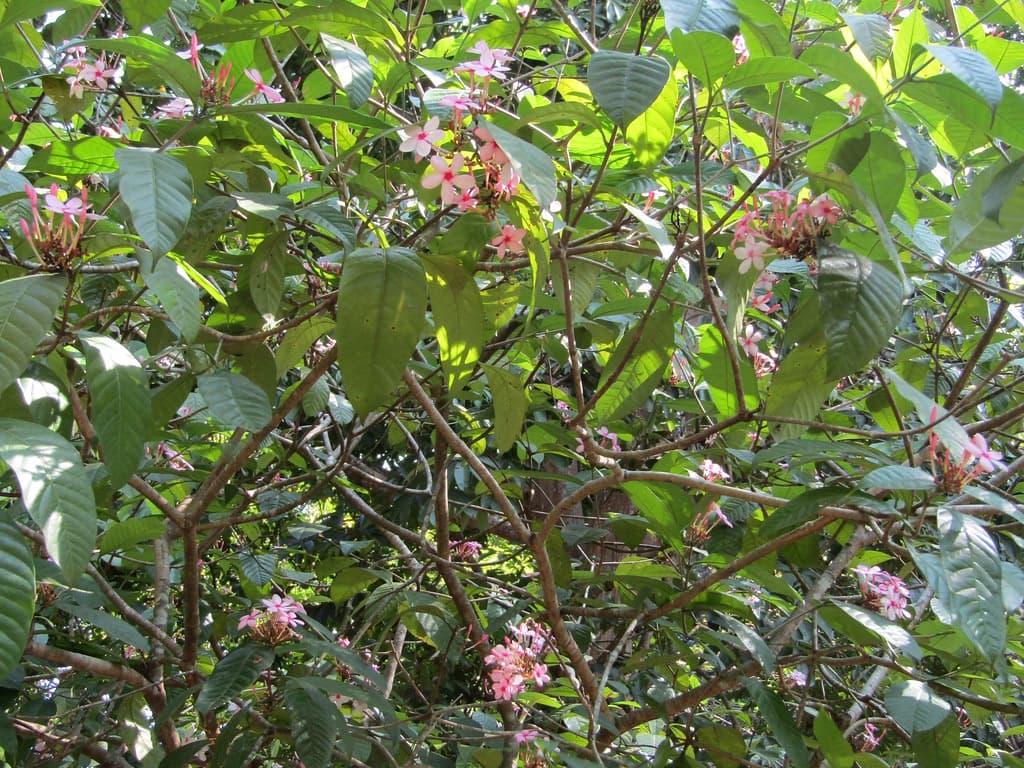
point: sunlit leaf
(915, 706)
(158, 191)
(352, 68)
(636, 367)
(624, 84)
(973, 69)
(27, 308)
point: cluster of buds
(466, 551)
(273, 625)
(96, 75)
(883, 592)
(55, 233)
(784, 227)
(951, 475)
(516, 662)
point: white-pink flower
(750, 339)
(853, 102)
(272, 95)
(751, 254)
(977, 449)
(509, 241)
(448, 177)
(421, 139)
(178, 108)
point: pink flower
(884, 592)
(763, 303)
(510, 240)
(466, 551)
(272, 95)
(739, 47)
(448, 177)
(488, 148)
(97, 73)
(825, 208)
(794, 678)
(709, 470)
(853, 102)
(421, 139)
(249, 621)
(458, 103)
(526, 735)
(751, 254)
(284, 610)
(750, 340)
(491, 63)
(71, 208)
(870, 739)
(717, 512)
(515, 661)
(977, 449)
(179, 108)
(468, 199)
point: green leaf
(258, 568)
(55, 490)
(329, 217)
(178, 295)
(234, 401)
(938, 747)
(993, 191)
(872, 33)
(952, 435)
(779, 721)
(350, 582)
(972, 69)
(129, 533)
(154, 54)
(624, 84)
(892, 634)
(352, 67)
(317, 398)
(142, 13)
(706, 55)
(121, 410)
(829, 60)
(158, 191)
(382, 300)
(27, 308)
(713, 15)
(458, 318)
(639, 362)
(881, 173)
(833, 745)
(509, 403)
(17, 593)
(974, 575)
(117, 629)
(534, 167)
(298, 340)
(314, 723)
(725, 746)
(915, 706)
(766, 70)
(233, 674)
(267, 271)
(799, 387)
(327, 112)
(860, 304)
(78, 157)
(651, 134)
(898, 478)
(1004, 184)
(911, 35)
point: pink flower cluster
(466, 551)
(56, 230)
(515, 663)
(884, 592)
(784, 227)
(273, 625)
(96, 75)
(952, 475)
(609, 440)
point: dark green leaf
(639, 362)
(860, 304)
(895, 637)
(898, 478)
(232, 675)
(298, 340)
(259, 568)
(624, 84)
(55, 490)
(234, 401)
(458, 319)
(18, 593)
(129, 533)
(725, 746)
(158, 191)
(938, 747)
(779, 721)
(833, 745)
(952, 435)
(713, 15)
(799, 387)
(314, 723)
(915, 706)
(352, 68)
(27, 308)
(382, 301)
(266, 275)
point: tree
(481, 384)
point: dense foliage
(477, 384)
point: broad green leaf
(178, 295)
(952, 435)
(328, 112)
(766, 70)
(799, 510)
(233, 674)
(298, 340)
(234, 401)
(561, 562)
(78, 157)
(833, 745)
(711, 15)
(860, 304)
(328, 216)
(1004, 184)
(583, 277)
(317, 398)
(779, 722)
(314, 723)
(829, 60)
(154, 54)
(352, 68)
(638, 365)
(911, 36)
(892, 634)
(17, 593)
(142, 13)
(898, 478)
(716, 372)
(1006, 55)
(121, 410)
(27, 308)
(881, 173)
(458, 319)
(751, 642)
(509, 402)
(158, 191)
(938, 747)
(799, 387)
(972, 69)
(350, 582)
(382, 300)
(55, 490)
(534, 167)
(725, 746)
(974, 574)
(872, 33)
(116, 628)
(651, 134)
(259, 568)
(625, 84)
(915, 706)
(707, 55)
(922, 150)
(993, 191)
(266, 273)
(130, 533)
